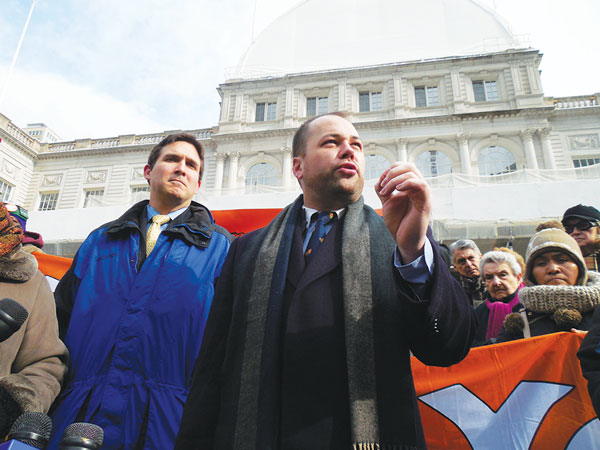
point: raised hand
(406, 201)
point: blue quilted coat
(134, 326)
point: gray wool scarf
(264, 307)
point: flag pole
(14, 60)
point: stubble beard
(338, 190)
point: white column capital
(544, 132)
(526, 135)
(463, 138)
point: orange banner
(240, 221)
(526, 394)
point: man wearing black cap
(581, 222)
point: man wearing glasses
(581, 222)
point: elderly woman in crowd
(502, 276)
(560, 294)
(32, 360)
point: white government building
(463, 100)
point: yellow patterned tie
(154, 231)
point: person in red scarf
(502, 276)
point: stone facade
(475, 125)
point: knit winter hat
(553, 239)
(11, 233)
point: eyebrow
(338, 135)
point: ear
(297, 167)
(520, 277)
(147, 171)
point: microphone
(12, 316)
(82, 436)
(30, 430)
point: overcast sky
(100, 68)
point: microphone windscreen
(32, 428)
(83, 435)
(14, 309)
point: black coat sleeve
(200, 414)
(589, 358)
(440, 322)
(64, 296)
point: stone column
(234, 157)
(458, 99)
(219, 172)
(399, 105)
(401, 149)
(342, 100)
(527, 138)
(515, 73)
(287, 167)
(534, 79)
(465, 154)
(289, 104)
(544, 135)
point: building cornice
(18, 145)
(394, 66)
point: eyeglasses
(581, 226)
(17, 210)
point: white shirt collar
(308, 212)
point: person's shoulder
(202, 216)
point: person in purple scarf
(502, 276)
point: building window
(266, 111)
(93, 198)
(375, 165)
(485, 91)
(369, 101)
(261, 174)
(48, 201)
(5, 190)
(433, 164)
(585, 162)
(139, 193)
(316, 106)
(426, 96)
(494, 160)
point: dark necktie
(323, 219)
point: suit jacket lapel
(296, 264)
(328, 258)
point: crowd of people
(555, 288)
(167, 333)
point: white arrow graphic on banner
(512, 426)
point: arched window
(494, 160)
(262, 174)
(433, 163)
(375, 165)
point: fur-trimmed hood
(18, 265)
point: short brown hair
(301, 135)
(171, 139)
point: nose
(495, 281)
(553, 267)
(180, 166)
(346, 150)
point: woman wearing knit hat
(560, 294)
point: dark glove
(9, 412)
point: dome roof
(330, 34)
